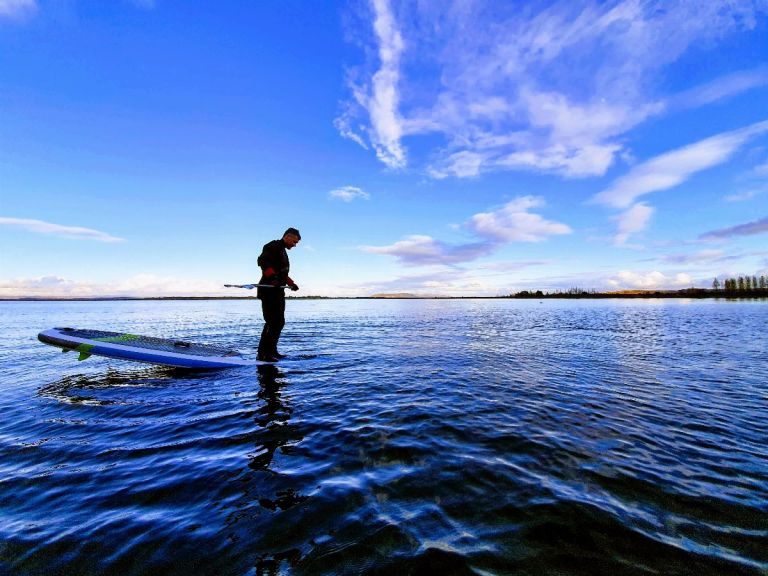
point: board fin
(85, 351)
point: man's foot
(279, 356)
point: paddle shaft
(252, 286)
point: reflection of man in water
(274, 266)
(274, 411)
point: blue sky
(151, 147)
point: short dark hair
(293, 231)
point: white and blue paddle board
(176, 353)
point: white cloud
(74, 232)
(654, 280)
(673, 168)
(514, 223)
(138, 286)
(462, 164)
(348, 193)
(154, 285)
(549, 89)
(35, 286)
(17, 9)
(576, 162)
(420, 250)
(631, 221)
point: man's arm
(269, 262)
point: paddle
(252, 286)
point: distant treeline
(741, 287)
(741, 284)
(570, 293)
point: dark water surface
(401, 437)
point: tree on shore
(743, 284)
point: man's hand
(294, 287)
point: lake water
(400, 437)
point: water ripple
(401, 437)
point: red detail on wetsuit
(269, 272)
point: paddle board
(160, 351)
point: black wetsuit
(274, 266)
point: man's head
(291, 237)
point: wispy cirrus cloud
(700, 257)
(344, 124)
(721, 88)
(631, 221)
(17, 9)
(74, 232)
(513, 222)
(673, 168)
(348, 193)
(381, 97)
(759, 184)
(745, 195)
(759, 226)
(549, 89)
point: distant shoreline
(697, 293)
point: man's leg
(265, 345)
(264, 341)
(279, 322)
(273, 309)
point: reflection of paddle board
(142, 349)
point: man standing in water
(274, 272)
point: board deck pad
(166, 352)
